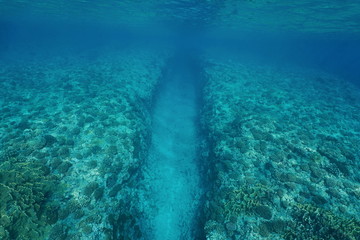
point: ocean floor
(171, 176)
(129, 146)
(283, 150)
(75, 131)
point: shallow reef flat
(73, 134)
(283, 153)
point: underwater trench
(171, 176)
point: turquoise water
(168, 120)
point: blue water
(179, 119)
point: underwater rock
(319, 200)
(263, 230)
(90, 188)
(24, 124)
(98, 193)
(49, 140)
(37, 144)
(76, 131)
(276, 226)
(59, 232)
(79, 213)
(111, 180)
(231, 226)
(8, 154)
(114, 191)
(92, 164)
(263, 211)
(89, 120)
(333, 193)
(64, 167)
(52, 214)
(316, 172)
(242, 145)
(112, 150)
(64, 152)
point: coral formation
(87, 122)
(288, 130)
(249, 200)
(27, 210)
(311, 222)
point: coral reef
(280, 137)
(27, 210)
(311, 222)
(249, 200)
(87, 121)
